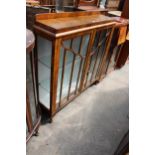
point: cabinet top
(64, 22)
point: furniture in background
(32, 2)
(49, 7)
(54, 2)
(118, 42)
(88, 2)
(31, 11)
(90, 5)
(112, 4)
(33, 117)
(124, 53)
(125, 10)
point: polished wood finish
(54, 74)
(123, 55)
(125, 11)
(60, 27)
(124, 52)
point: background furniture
(90, 5)
(47, 6)
(70, 54)
(32, 108)
(116, 53)
(119, 50)
(88, 2)
(31, 11)
(112, 4)
(124, 53)
(32, 2)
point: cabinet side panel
(44, 49)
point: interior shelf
(46, 60)
(44, 80)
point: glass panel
(79, 61)
(98, 52)
(75, 73)
(100, 55)
(85, 45)
(76, 44)
(69, 60)
(113, 49)
(67, 43)
(44, 70)
(96, 40)
(30, 88)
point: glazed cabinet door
(73, 56)
(98, 54)
(60, 64)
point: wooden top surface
(70, 21)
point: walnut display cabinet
(32, 110)
(71, 51)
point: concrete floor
(93, 124)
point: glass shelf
(44, 84)
(44, 68)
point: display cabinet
(32, 108)
(71, 50)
